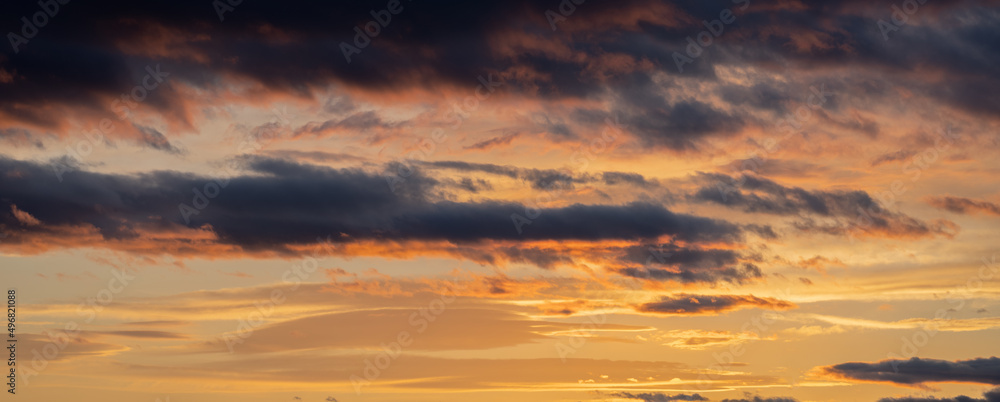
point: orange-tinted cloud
(688, 304)
(965, 206)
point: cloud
(917, 371)
(695, 339)
(819, 263)
(76, 346)
(366, 122)
(679, 125)
(545, 179)
(22, 217)
(152, 138)
(627, 57)
(965, 206)
(659, 397)
(736, 274)
(488, 144)
(812, 330)
(416, 372)
(277, 203)
(670, 262)
(156, 323)
(930, 324)
(612, 178)
(833, 212)
(315, 156)
(687, 304)
(455, 329)
(892, 157)
(989, 396)
(140, 334)
(539, 178)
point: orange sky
(540, 201)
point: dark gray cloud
(759, 195)
(989, 396)
(961, 205)
(760, 399)
(544, 179)
(21, 137)
(361, 122)
(843, 211)
(473, 185)
(275, 202)
(676, 124)
(772, 96)
(668, 262)
(659, 397)
(687, 304)
(612, 178)
(491, 143)
(917, 371)
(736, 274)
(893, 157)
(672, 255)
(78, 59)
(152, 138)
(539, 178)
(777, 167)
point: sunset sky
(559, 200)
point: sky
(572, 200)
